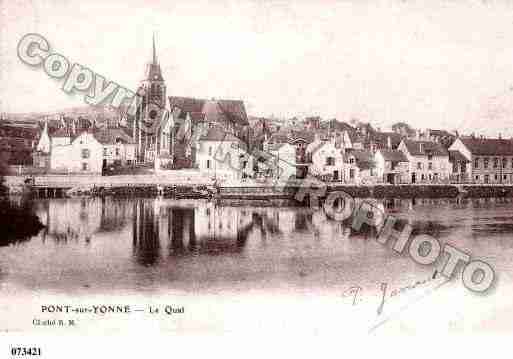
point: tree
(403, 128)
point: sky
(428, 63)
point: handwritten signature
(355, 293)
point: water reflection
(143, 242)
(145, 233)
(18, 221)
(201, 227)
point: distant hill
(90, 112)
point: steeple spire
(154, 51)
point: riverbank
(191, 185)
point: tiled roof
(423, 148)
(307, 136)
(186, 104)
(364, 156)
(217, 134)
(111, 135)
(457, 156)
(235, 111)
(216, 110)
(393, 155)
(336, 125)
(197, 117)
(364, 159)
(279, 137)
(382, 138)
(61, 132)
(488, 146)
(440, 133)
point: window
(486, 162)
(504, 177)
(504, 163)
(105, 151)
(210, 151)
(476, 163)
(351, 173)
(208, 164)
(477, 177)
(455, 167)
(351, 160)
(330, 161)
(496, 177)
(419, 165)
(84, 166)
(117, 151)
(430, 165)
(430, 156)
(495, 162)
(86, 153)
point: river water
(153, 248)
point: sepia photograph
(294, 168)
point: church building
(158, 126)
(152, 127)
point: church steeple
(153, 84)
(154, 51)
(153, 72)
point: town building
(222, 156)
(359, 167)
(119, 149)
(283, 165)
(391, 166)
(489, 160)
(461, 167)
(83, 154)
(428, 161)
(189, 113)
(326, 160)
(90, 151)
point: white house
(359, 167)
(326, 160)
(82, 155)
(391, 166)
(428, 161)
(284, 160)
(221, 155)
(118, 147)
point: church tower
(153, 105)
(153, 83)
